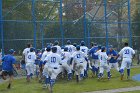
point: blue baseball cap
(77, 47)
(11, 51)
(82, 43)
(103, 48)
(65, 48)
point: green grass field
(63, 86)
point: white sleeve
(97, 53)
(133, 52)
(106, 57)
(35, 57)
(121, 52)
(23, 52)
(43, 57)
(46, 59)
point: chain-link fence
(106, 22)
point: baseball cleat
(122, 76)
(9, 86)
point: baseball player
(45, 74)
(37, 62)
(56, 44)
(52, 66)
(94, 58)
(127, 54)
(64, 63)
(103, 63)
(8, 64)
(70, 47)
(113, 62)
(78, 59)
(84, 49)
(31, 57)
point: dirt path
(117, 90)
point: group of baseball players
(70, 60)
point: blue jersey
(38, 60)
(92, 51)
(112, 53)
(8, 62)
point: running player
(8, 64)
(103, 63)
(52, 66)
(64, 63)
(78, 59)
(113, 62)
(84, 49)
(94, 52)
(127, 54)
(31, 57)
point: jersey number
(70, 49)
(101, 58)
(53, 59)
(29, 56)
(83, 50)
(126, 51)
(78, 55)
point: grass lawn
(63, 86)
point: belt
(126, 57)
(55, 68)
(81, 62)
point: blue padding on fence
(136, 77)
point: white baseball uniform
(126, 54)
(103, 62)
(52, 66)
(71, 48)
(31, 57)
(25, 53)
(78, 59)
(84, 49)
(97, 62)
(65, 58)
(44, 59)
(58, 49)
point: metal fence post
(106, 23)
(129, 23)
(1, 28)
(34, 21)
(61, 22)
(85, 22)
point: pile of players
(76, 60)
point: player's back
(66, 56)
(58, 49)
(84, 49)
(78, 56)
(103, 57)
(127, 52)
(53, 59)
(71, 48)
(25, 52)
(31, 57)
